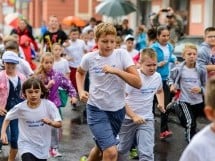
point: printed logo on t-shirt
(148, 90)
(36, 123)
(98, 70)
(189, 80)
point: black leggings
(31, 157)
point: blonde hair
(147, 53)
(55, 44)
(210, 93)
(104, 28)
(41, 69)
(189, 46)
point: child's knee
(110, 153)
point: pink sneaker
(55, 153)
(165, 134)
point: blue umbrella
(115, 8)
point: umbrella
(73, 20)
(115, 8)
(12, 19)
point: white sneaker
(55, 153)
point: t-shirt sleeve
(126, 59)
(85, 62)
(53, 111)
(13, 113)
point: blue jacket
(164, 70)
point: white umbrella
(115, 8)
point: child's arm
(80, 78)
(160, 98)
(130, 75)
(56, 124)
(136, 118)
(3, 131)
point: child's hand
(4, 138)
(161, 63)
(138, 120)
(3, 112)
(196, 90)
(47, 121)
(84, 95)
(109, 69)
(50, 84)
(73, 100)
(173, 88)
(161, 108)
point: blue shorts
(105, 125)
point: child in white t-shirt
(60, 64)
(36, 117)
(139, 119)
(201, 147)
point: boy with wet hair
(139, 120)
(201, 148)
(109, 71)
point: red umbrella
(73, 20)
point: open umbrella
(115, 8)
(73, 20)
(12, 19)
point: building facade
(197, 14)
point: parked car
(179, 45)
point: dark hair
(151, 33)
(209, 29)
(74, 29)
(161, 28)
(36, 83)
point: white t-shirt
(166, 52)
(133, 52)
(107, 91)
(189, 79)
(34, 135)
(141, 100)
(24, 68)
(61, 66)
(76, 51)
(201, 147)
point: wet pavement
(76, 139)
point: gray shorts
(104, 125)
(144, 135)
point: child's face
(91, 35)
(47, 63)
(57, 50)
(74, 35)
(148, 66)
(130, 44)
(10, 67)
(190, 56)
(210, 38)
(33, 95)
(163, 38)
(106, 44)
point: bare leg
(95, 154)
(12, 154)
(110, 154)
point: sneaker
(83, 158)
(165, 134)
(55, 153)
(133, 154)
